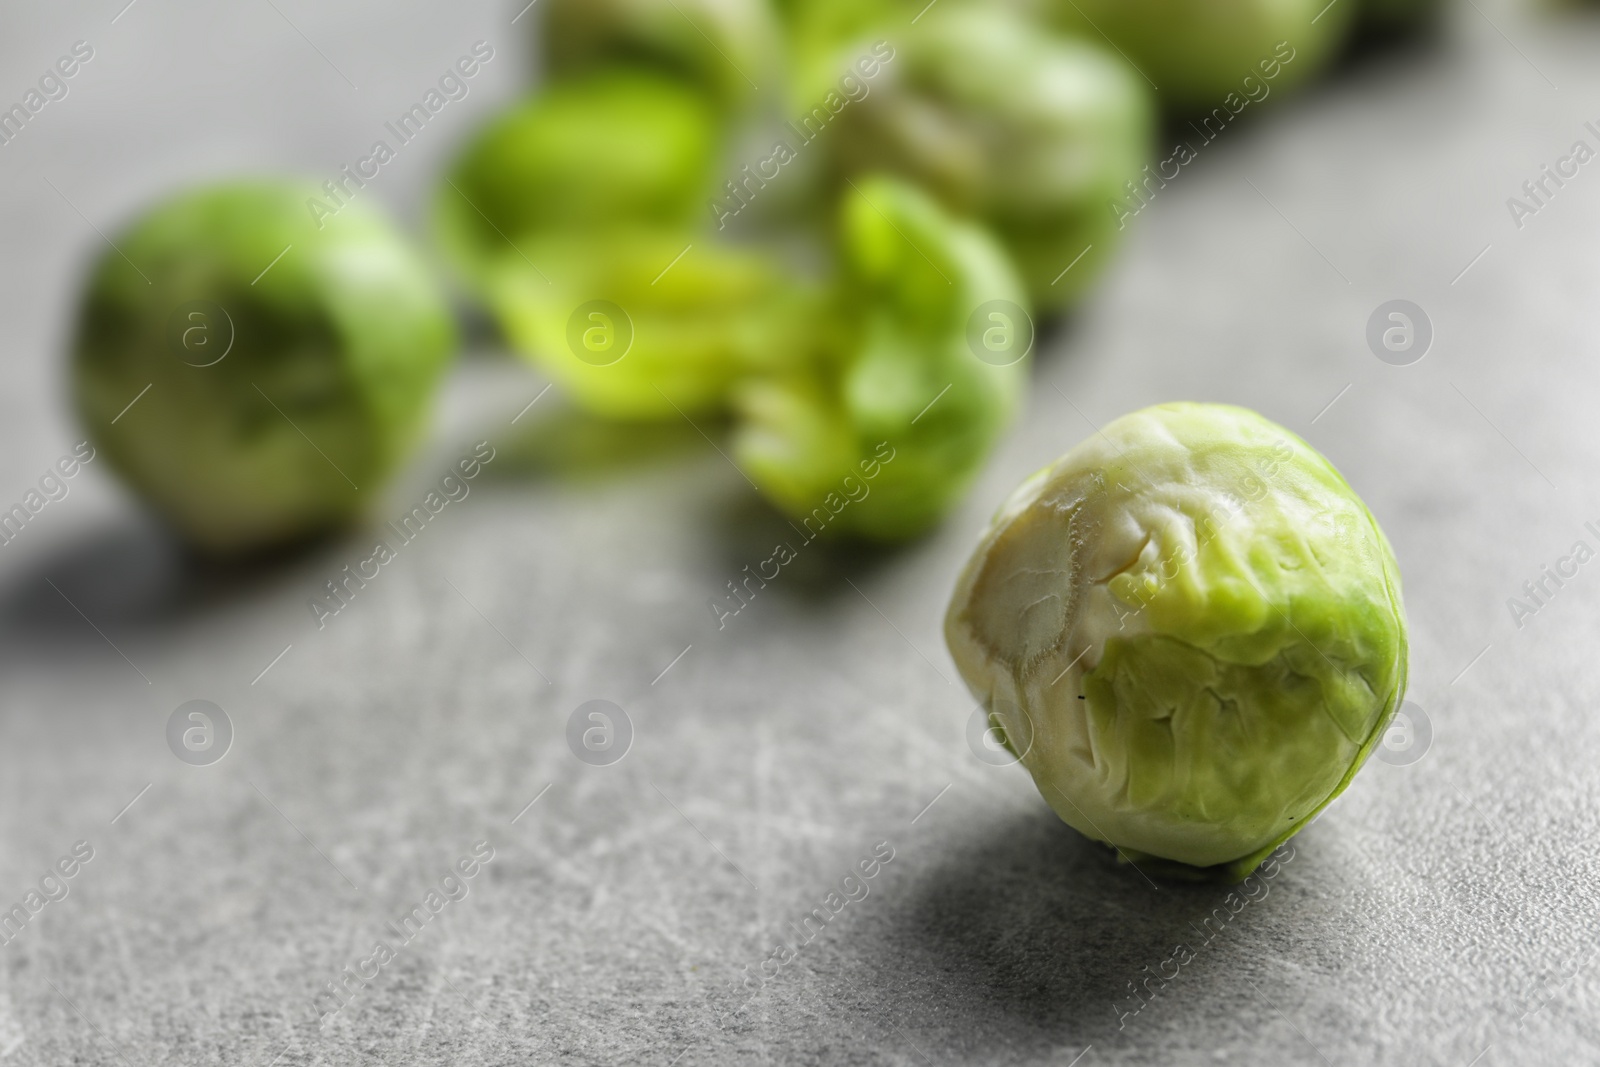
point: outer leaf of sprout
(700, 317)
(890, 373)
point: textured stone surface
(1434, 911)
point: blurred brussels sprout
(1189, 629)
(815, 30)
(1032, 134)
(916, 368)
(1198, 52)
(281, 366)
(724, 48)
(644, 324)
(616, 149)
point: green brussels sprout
(644, 324)
(616, 149)
(1199, 52)
(1034, 135)
(1189, 629)
(279, 367)
(724, 48)
(894, 401)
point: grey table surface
(1443, 912)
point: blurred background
(640, 894)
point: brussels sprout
(281, 366)
(1032, 134)
(893, 402)
(722, 47)
(616, 149)
(1189, 629)
(644, 324)
(1198, 52)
